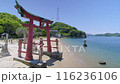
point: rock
(102, 62)
(56, 55)
(31, 64)
(85, 45)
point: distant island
(108, 34)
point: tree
(1, 29)
(22, 31)
(9, 23)
(43, 32)
(81, 34)
(67, 31)
(73, 33)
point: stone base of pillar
(55, 55)
(31, 64)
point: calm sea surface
(100, 48)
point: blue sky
(91, 16)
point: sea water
(99, 48)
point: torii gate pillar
(30, 41)
(48, 38)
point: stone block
(32, 63)
(56, 55)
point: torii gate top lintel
(29, 15)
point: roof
(27, 14)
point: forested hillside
(67, 31)
(13, 26)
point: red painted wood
(48, 39)
(24, 42)
(30, 41)
(57, 44)
(53, 40)
(20, 48)
(34, 26)
(44, 40)
(54, 47)
(23, 51)
(41, 50)
(35, 43)
(40, 24)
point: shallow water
(100, 48)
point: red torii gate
(41, 21)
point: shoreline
(70, 60)
(83, 60)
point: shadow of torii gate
(41, 21)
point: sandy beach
(68, 61)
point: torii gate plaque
(41, 20)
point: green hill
(11, 24)
(67, 31)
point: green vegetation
(21, 31)
(109, 34)
(67, 31)
(13, 26)
(9, 23)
